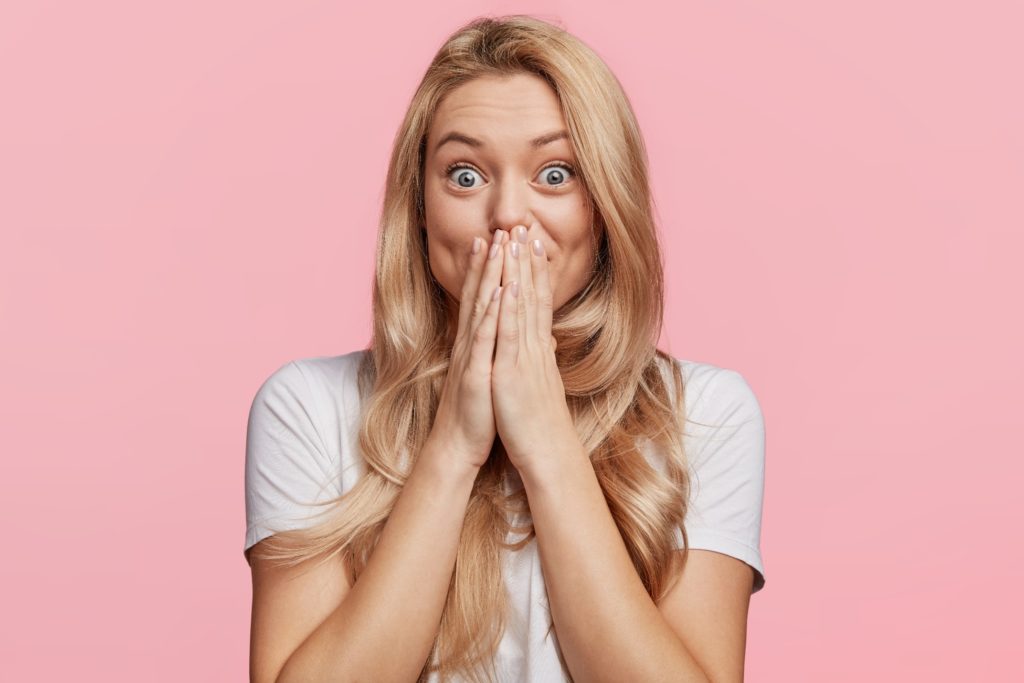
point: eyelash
(558, 164)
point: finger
(515, 254)
(472, 282)
(507, 351)
(527, 295)
(482, 352)
(510, 269)
(544, 299)
(490, 279)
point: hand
(530, 412)
(464, 422)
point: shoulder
(314, 399)
(717, 394)
(723, 425)
(724, 441)
(300, 441)
(313, 379)
(331, 374)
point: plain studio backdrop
(189, 196)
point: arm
(385, 627)
(608, 627)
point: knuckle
(478, 308)
(482, 335)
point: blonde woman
(512, 483)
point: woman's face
(502, 178)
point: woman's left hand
(530, 412)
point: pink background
(189, 195)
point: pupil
(556, 175)
(464, 180)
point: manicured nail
(494, 250)
(521, 234)
(515, 288)
(497, 293)
(515, 250)
(538, 248)
(476, 245)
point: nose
(510, 209)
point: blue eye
(463, 177)
(563, 172)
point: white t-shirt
(301, 447)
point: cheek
(572, 268)
(446, 263)
(444, 209)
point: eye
(463, 179)
(562, 173)
(558, 174)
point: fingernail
(538, 248)
(494, 250)
(515, 288)
(515, 250)
(521, 234)
(497, 293)
(476, 245)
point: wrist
(447, 461)
(553, 463)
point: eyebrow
(537, 142)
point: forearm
(385, 627)
(608, 627)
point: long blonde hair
(615, 378)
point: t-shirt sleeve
(727, 471)
(287, 466)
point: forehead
(498, 110)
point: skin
(510, 182)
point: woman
(505, 471)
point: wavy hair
(617, 383)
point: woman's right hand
(464, 423)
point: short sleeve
(727, 461)
(287, 467)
